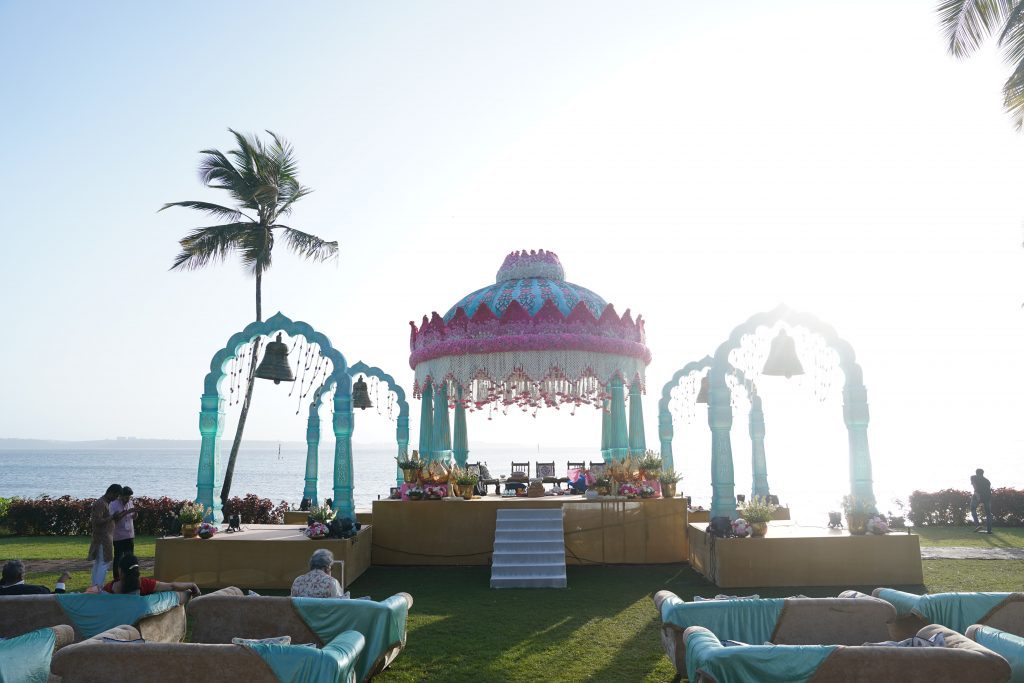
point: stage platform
(597, 531)
(262, 556)
(793, 555)
(781, 514)
(299, 517)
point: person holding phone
(123, 511)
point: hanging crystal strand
(298, 342)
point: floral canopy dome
(531, 339)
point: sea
(277, 471)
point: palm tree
(967, 23)
(261, 180)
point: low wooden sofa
(802, 621)
(22, 613)
(959, 659)
(111, 657)
(1006, 613)
(228, 613)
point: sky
(694, 162)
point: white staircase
(529, 549)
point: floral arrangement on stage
(630, 490)
(858, 512)
(647, 491)
(410, 467)
(415, 493)
(191, 513)
(435, 491)
(878, 525)
(321, 513)
(316, 530)
(206, 530)
(650, 465)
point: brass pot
(857, 524)
(467, 492)
(410, 475)
(602, 490)
(758, 529)
(668, 490)
(189, 530)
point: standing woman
(101, 550)
(124, 527)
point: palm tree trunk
(229, 473)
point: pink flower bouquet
(316, 530)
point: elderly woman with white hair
(318, 582)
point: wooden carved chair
(546, 471)
(598, 468)
(522, 468)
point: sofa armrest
(660, 597)
(408, 598)
(119, 633)
(65, 635)
(854, 594)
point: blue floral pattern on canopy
(531, 293)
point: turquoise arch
(855, 407)
(666, 430)
(401, 431)
(211, 415)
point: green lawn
(1001, 537)
(602, 628)
(61, 547)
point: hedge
(67, 516)
(951, 507)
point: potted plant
(603, 486)
(757, 512)
(466, 482)
(191, 516)
(322, 514)
(410, 467)
(669, 479)
(206, 530)
(415, 493)
(858, 512)
(650, 465)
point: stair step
(529, 546)
(530, 525)
(521, 582)
(526, 535)
(502, 559)
(506, 514)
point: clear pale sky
(695, 164)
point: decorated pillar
(441, 443)
(460, 440)
(402, 436)
(344, 503)
(619, 443)
(758, 464)
(426, 421)
(855, 414)
(211, 424)
(606, 430)
(312, 452)
(637, 438)
(665, 433)
(723, 488)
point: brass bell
(361, 395)
(275, 363)
(702, 395)
(782, 359)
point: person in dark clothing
(13, 581)
(982, 496)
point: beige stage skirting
(262, 556)
(781, 514)
(603, 531)
(300, 517)
(792, 555)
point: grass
(602, 628)
(1001, 537)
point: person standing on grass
(124, 528)
(101, 550)
(983, 496)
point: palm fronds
(308, 246)
(967, 23)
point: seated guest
(130, 583)
(13, 581)
(318, 582)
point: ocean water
(84, 473)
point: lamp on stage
(782, 359)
